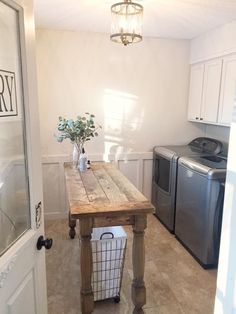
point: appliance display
(199, 205)
(165, 162)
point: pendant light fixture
(126, 26)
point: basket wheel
(117, 299)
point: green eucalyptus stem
(78, 131)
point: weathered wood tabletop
(103, 196)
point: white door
(22, 265)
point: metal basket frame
(108, 265)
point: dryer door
(162, 172)
(162, 190)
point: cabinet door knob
(201, 118)
(196, 118)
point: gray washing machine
(165, 163)
(199, 205)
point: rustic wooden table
(103, 196)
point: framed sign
(8, 100)
(11, 81)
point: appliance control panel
(206, 145)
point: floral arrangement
(77, 131)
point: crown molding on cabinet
(218, 42)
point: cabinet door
(195, 92)
(211, 91)
(228, 90)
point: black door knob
(47, 243)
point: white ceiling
(184, 19)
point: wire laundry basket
(108, 250)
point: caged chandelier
(126, 26)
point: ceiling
(183, 19)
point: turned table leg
(86, 264)
(138, 286)
(72, 226)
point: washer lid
(200, 145)
(174, 151)
(213, 162)
(213, 167)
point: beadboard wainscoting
(137, 167)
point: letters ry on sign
(8, 105)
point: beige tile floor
(175, 282)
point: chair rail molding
(136, 166)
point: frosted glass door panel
(14, 188)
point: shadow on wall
(120, 121)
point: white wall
(219, 132)
(139, 95)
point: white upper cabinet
(212, 91)
(195, 91)
(228, 90)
